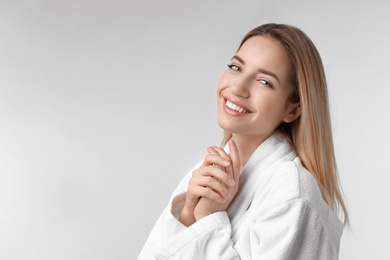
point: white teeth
(235, 107)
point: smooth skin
(257, 80)
(213, 185)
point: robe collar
(274, 149)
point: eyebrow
(264, 71)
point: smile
(236, 108)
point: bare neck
(246, 145)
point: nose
(240, 87)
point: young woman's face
(253, 94)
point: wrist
(199, 215)
(187, 217)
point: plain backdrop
(106, 104)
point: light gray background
(105, 105)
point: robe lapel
(261, 165)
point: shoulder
(292, 203)
(290, 182)
(293, 186)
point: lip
(233, 112)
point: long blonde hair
(311, 134)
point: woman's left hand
(207, 206)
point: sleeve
(287, 230)
(208, 238)
(293, 230)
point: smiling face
(254, 93)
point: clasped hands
(213, 185)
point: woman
(272, 192)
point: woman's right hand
(207, 181)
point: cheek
(222, 84)
(271, 106)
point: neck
(246, 145)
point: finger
(197, 191)
(223, 154)
(213, 158)
(235, 157)
(207, 162)
(215, 185)
(214, 172)
(212, 152)
(227, 169)
(208, 193)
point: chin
(227, 126)
(222, 124)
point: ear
(293, 112)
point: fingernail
(231, 182)
(226, 163)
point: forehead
(267, 53)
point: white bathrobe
(278, 213)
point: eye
(233, 67)
(266, 83)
